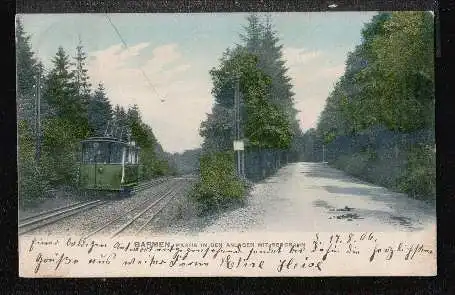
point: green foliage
(267, 111)
(26, 71)
(188, 161)
(25, 61)
(219, 184)
(32, 181)
(355, 164)
(252, 37)
(147, 158)
(81, 82)
(312, 143)
(162, 167)
(60, 151)
(389, 81)
(153, 159)
(70, 113)
(218, 129)
(389, 78)
(62, 95)
(80, 73)
(99, 111)
(419, 178)
(140, 132)
(265, 126)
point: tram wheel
(126, 192)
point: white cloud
(118, 52)
(175, 122)
(297, 56)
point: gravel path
(315, 197)
(300, 197)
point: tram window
(128, 156)
(102, 153)
(116, 151)
(132, 156)
(96, 152)
(88, 153)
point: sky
(176, 51)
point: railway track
(149, 184)
(137, 218)
(45, 218)
(141, 213)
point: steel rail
(48, 211)
(137, 216)
(156, 213)
(105, 225)
(38, 223)
(60, 212)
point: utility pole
(237, 125)
(238, 143)
(242, 152)
(323, 153)
(38, 115)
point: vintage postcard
(226, 144)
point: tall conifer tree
(62, 96)
(26, 71)
(80, 76)
(99, 111)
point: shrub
(219, 185)
(31, 179)
(60, 152)
(419, 178)
(355, 164)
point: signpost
(323, 154)
(239, 145)
(238, 149)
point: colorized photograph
(154, 124)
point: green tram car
(108, 164)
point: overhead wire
(127, 47)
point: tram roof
(105, 139)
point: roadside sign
(238, 145)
